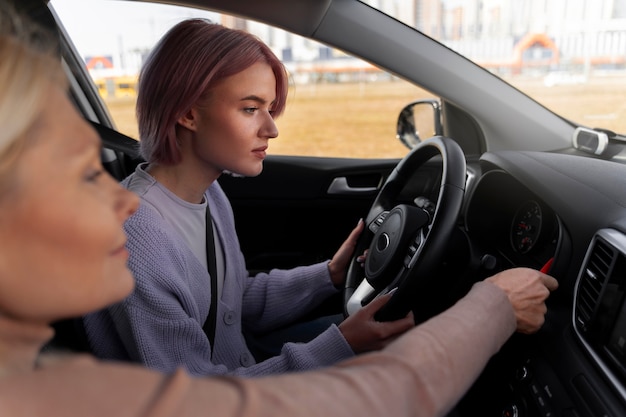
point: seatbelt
(209, 324)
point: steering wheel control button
(426, 204)
(414, 248)
(375, 225)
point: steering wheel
(406, 241)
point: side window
(338, 105)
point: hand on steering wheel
(363, 333)
(339, 263)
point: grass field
(359, 120)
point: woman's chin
(248, 171)
(118, 287)
(233, 174)
(125, 286)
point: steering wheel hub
(386, 254)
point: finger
(390, 340)
(404, 323)
(348, 245)
(396, 327)
(400, 326)
(354, 235)
(550, 282)
(377, 303)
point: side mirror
(418, 121)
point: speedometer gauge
(526, 227)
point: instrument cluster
(504, 217)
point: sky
(103, 36)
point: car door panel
(300, 209)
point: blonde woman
(63, 254)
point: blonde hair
(28, 67)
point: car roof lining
(302, 16)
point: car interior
(504, 183)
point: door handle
(340, 186)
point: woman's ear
(188, 119)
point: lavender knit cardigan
(160, 323)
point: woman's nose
(269, 129)
(127, 203)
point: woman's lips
(260, 152)
(120, 251)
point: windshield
(570, 59)
(569, 55)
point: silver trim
(419, 243)
(363, 291)
(383, 242)
(470, 176)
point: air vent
(595, 274)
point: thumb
(550, 282)
(354, 234)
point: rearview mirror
(419, 121)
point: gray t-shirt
(188, 219)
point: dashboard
(565, 214)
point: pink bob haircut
(191, 59)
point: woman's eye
(250, 109)
(93, 175)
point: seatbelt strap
(209, 324)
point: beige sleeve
(423, 373)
